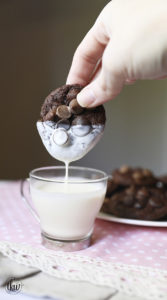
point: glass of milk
(66, 208)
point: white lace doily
(131, 280)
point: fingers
(109, 81)
(88, 54)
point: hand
(127, 42)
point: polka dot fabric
(112, 242)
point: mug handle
(23, 181)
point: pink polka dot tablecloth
(112, 242)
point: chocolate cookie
(135, 202)
(127, 176)
(69, 131)
(112, 187)
(62, 104)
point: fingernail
(86, 97)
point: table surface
(139, 253)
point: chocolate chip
(63, 112)
(154, 202)
(130, 191)
(160, 185)
(142, 193)
(147, 172)
(138, 205)
(63, 124)
(124, 169)
(81, 120)
(81, 130)
(137, 176)
(75, 107)
(60, 136)
(128, 200)
(81, 126)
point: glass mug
(66, 211)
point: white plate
(112, 218)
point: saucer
(112, 218)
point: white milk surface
(67, 210)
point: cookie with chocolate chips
(136, 193)
(126, 176)
(69, 131)
(62, 104)
(135, 202)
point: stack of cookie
(136, 193)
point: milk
(67, 210)
(66, 170)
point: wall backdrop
(38, 39)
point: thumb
(107, 84)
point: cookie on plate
(127, 176)
(137, 202)
(136, 193)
